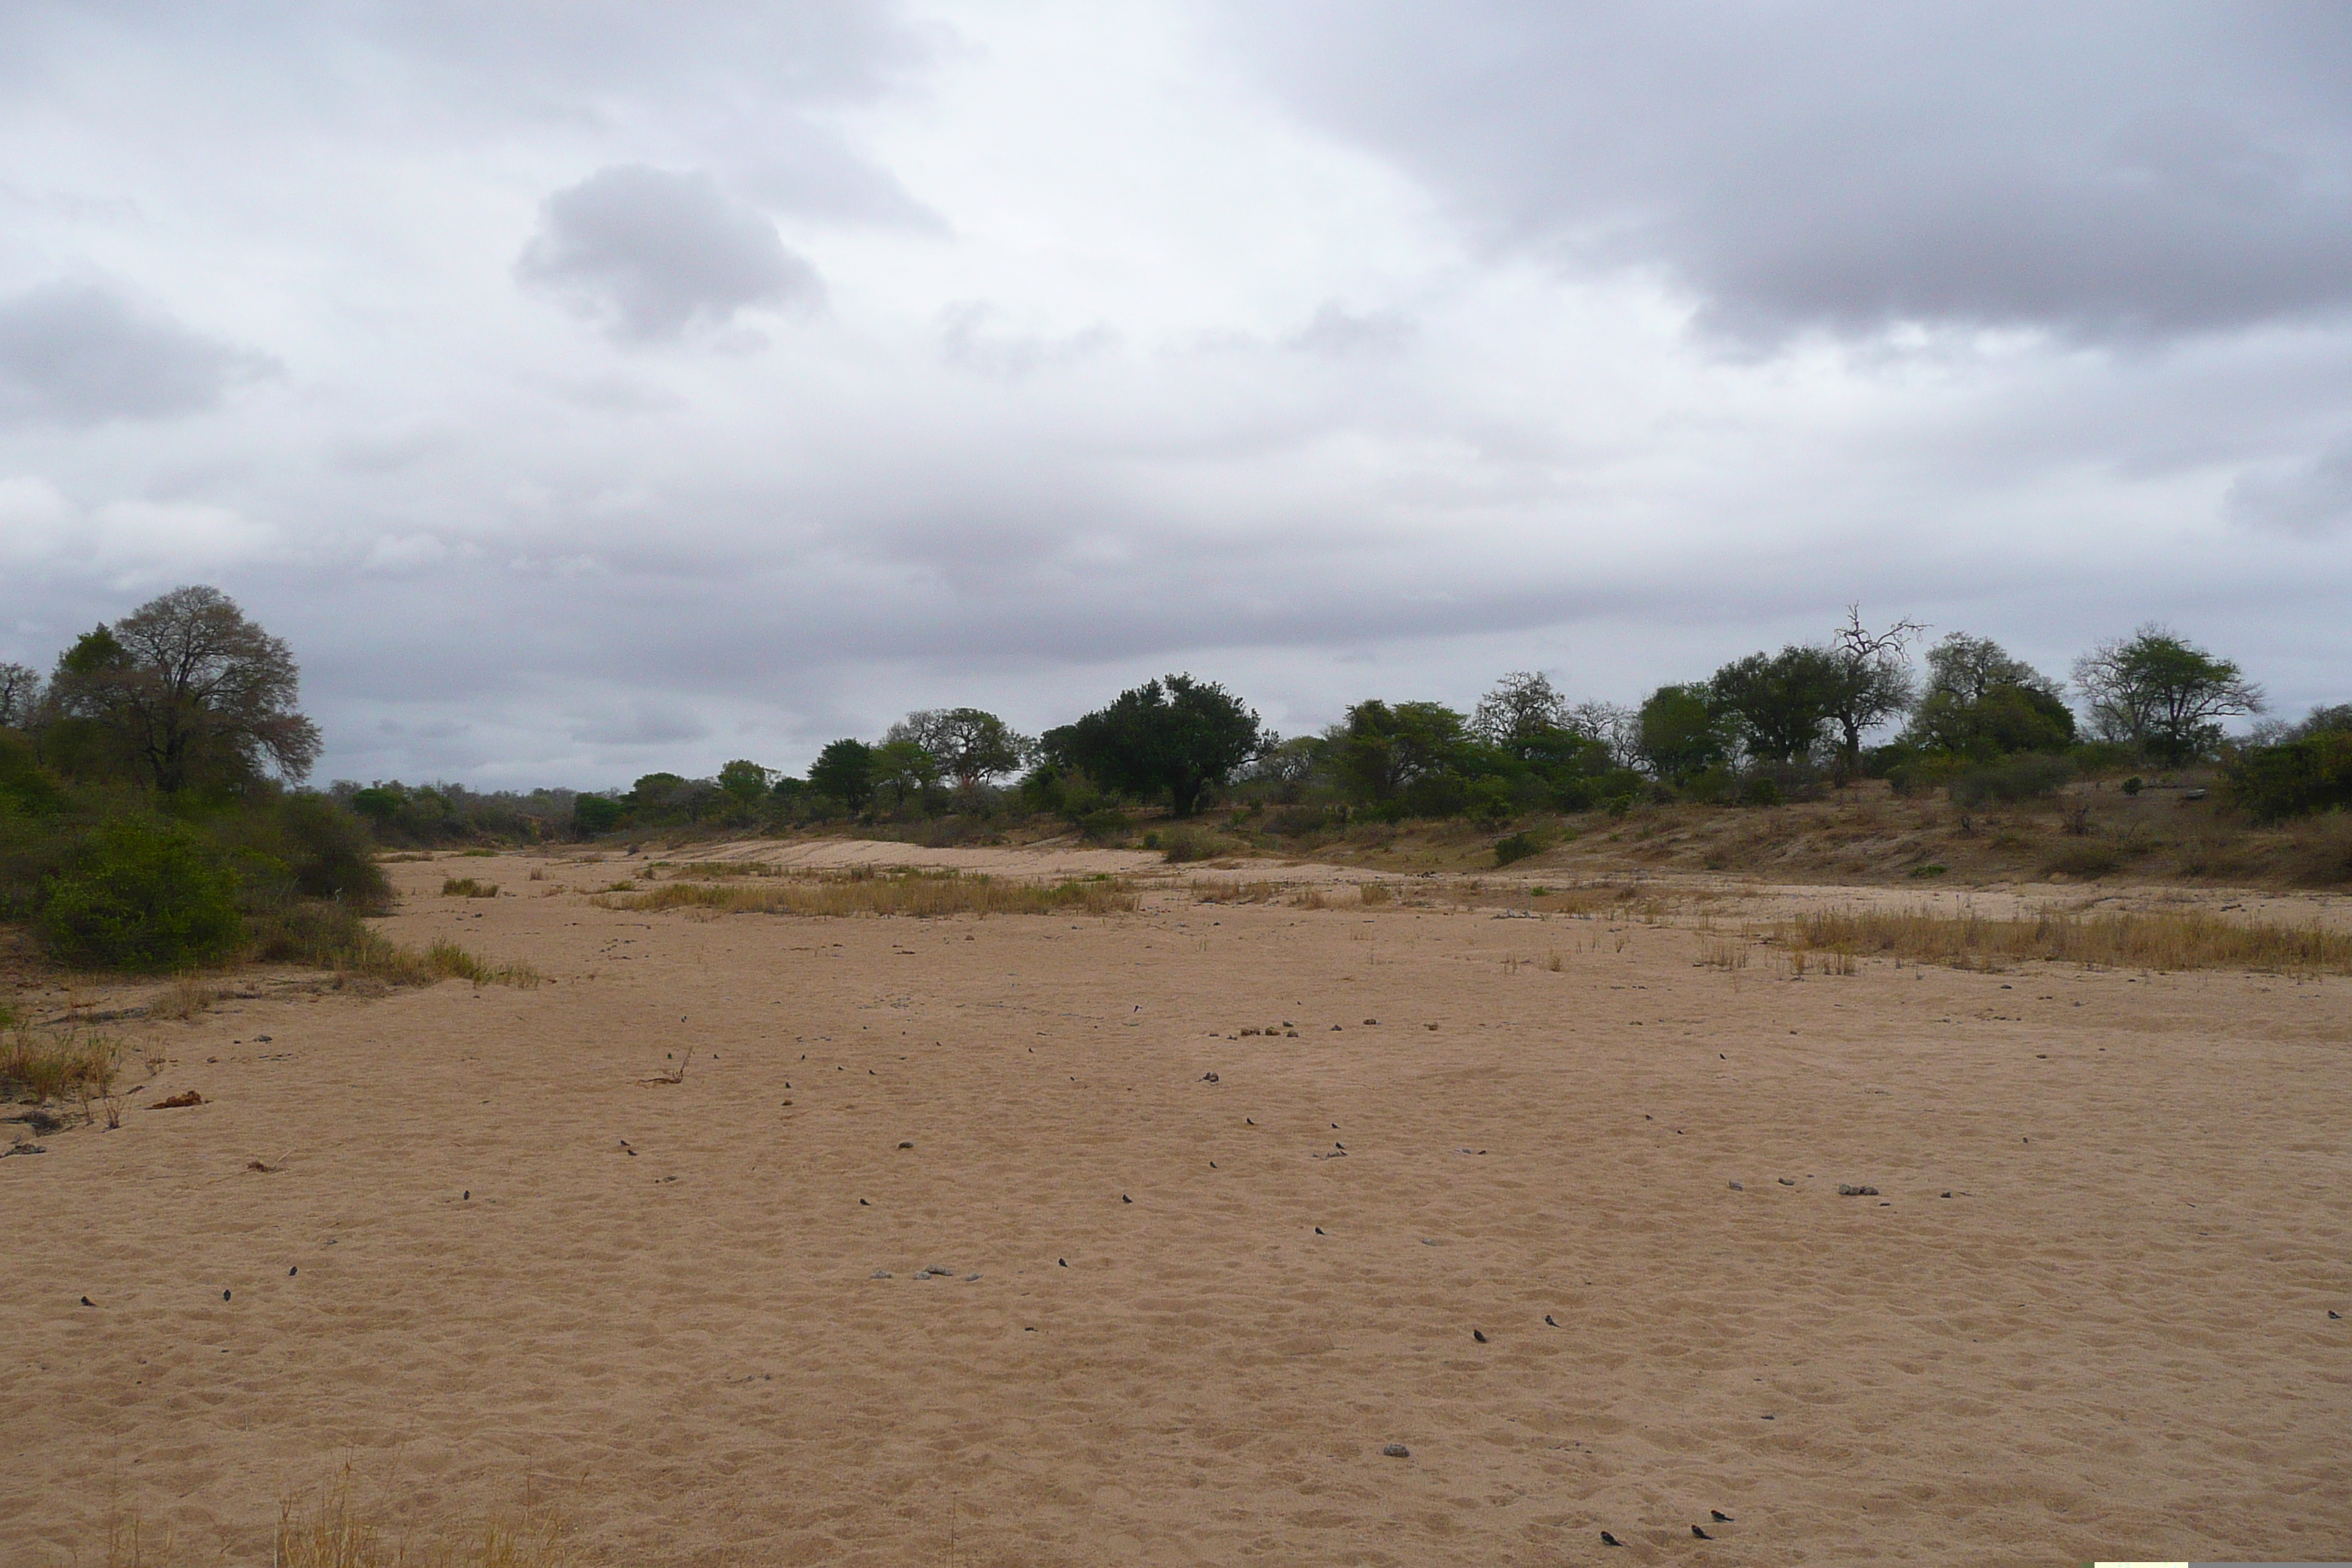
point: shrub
(2083, 860)
(593, 815)
(2132, 785)
(2296, 778)
(1518, 846)
(330, 855)
(1181, 844)
(1099, 825)
(2027, 777)
(1296, 821)
(141, 896)
(467, 888)
(1759, 791)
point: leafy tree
(1174, 734)
(1779, 702)
(187, 691)
(746, 783)
(970, 746)
(903, 772)
(2001, 721)
(1970, 669)
(2162, 694)
(1383, 751)
(1982, 704)
(1872, 683)
(2294, 777)
(843, 770)
(593, 815)
(1681, 734)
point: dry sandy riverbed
(2085, 1315)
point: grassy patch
(327, 936)
(332, 1531)
(71, 1064)
(862, 892)
(467, 888)
(2185, 940)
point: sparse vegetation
(862, 892)
(57, 1064)
(467, 888)
(2166, 940)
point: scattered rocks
(1396, 1451)
(1845, 1191)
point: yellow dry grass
(467, 888)
(2169, 941)
(331, 1532)
(921, 894)
(47, 1065)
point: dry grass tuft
(330, 937)
(2180, 940)
(922, 894)
(1374, 894)
(704, 870)
(1223, 892)
(332, 1533)
(186, 997)
(1714, 952)
(71, 1063)
(467, 888)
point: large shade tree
(185, 691)
(2156, 691)
(969, 745)
(1176, 734)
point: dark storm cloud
(83, 353)
(2099, 170)
(650, 253)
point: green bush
(2027, 777)
(1759, 791)
(2296, 778)
(331, 854)
(1516, 847)
(593, 815)
(1106, 824)
(141, 896)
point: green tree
(1681, 734)
(2162, 694)
(1779, 702)
(970, 746)
(903, 773)
(843, 770)
(1523, 713)
(189, 692)
(745, 782)
(1383, 751)
(1177, 734)
(20, 696)
(2000, 722)
(1971, 668)
(593, 815)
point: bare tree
(191, 692)
(1523, 706)
(1873, 683)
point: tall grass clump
(864, 892)
(334, 1532)
(68, 1065)
(467, 888)
(329, 936)
(2183, 939)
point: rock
(178, 1101)
(1396, 1451)
(1738, 1188)
(1848, 1191)
(1788, 1181)
(1371, 1022)
(1208, 1077)
(905, 1145)
(881, 1274)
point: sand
(524, 1267)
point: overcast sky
(595, 387)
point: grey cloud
(83, 353)
(2103, 171)
(2309, 499)
(808, 170)
(966, 339)
(1338, 333)
(650, 253)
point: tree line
(1761, 730)
(154, 812)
